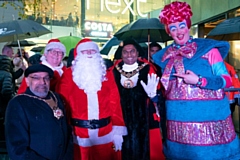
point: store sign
(109, 5)
(98, 29)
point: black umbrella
(227, 30)
(37, 49)
(22, 43)
(21, 29)
(108, 45)
(144, 30)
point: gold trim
(128, 83)
(57, 112)
(132, 73)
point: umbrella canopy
(144, 30)
(112, 45)
(69, 42)
(21, 29)
(227, 30)
(22, 43)
(37, 49)
(108, 45)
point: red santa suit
(101, 107)
(58, 71)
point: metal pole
(20, 51)
(148, 40)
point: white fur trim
(93, 106)
(87, 45)
(119, 130)
(95, 140)
(58, 68)
(92, 141)
(130, 68)
(54, 45)
(43, 58)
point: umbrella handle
(148, 45)
(20, 51)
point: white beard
(89, 73)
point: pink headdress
(176, 12)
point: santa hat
(85, 44)
(55, 44)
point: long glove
(117, 141)
(151, 87)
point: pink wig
(175, 12)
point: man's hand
(151, 87)
(189, 77)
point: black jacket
(6, 82)
(33, 133)
(138, 117)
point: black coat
(33, 133)
(6, 83)
(137, 114)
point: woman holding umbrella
(52, 57)
(199, 123)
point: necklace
(57, 112)
(128, 83)
(177, 46)
(132, 73)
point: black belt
(91, 124)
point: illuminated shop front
(97, 19)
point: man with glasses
(54, 53)
(138, 101)
(93, 102)
(36, 124)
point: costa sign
(109, 5)
(98, 29)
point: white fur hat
(55, 43)
(85, 44)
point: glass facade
(98, 19)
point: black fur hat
(118, 53)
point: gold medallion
(58, 113)
(128, 83)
